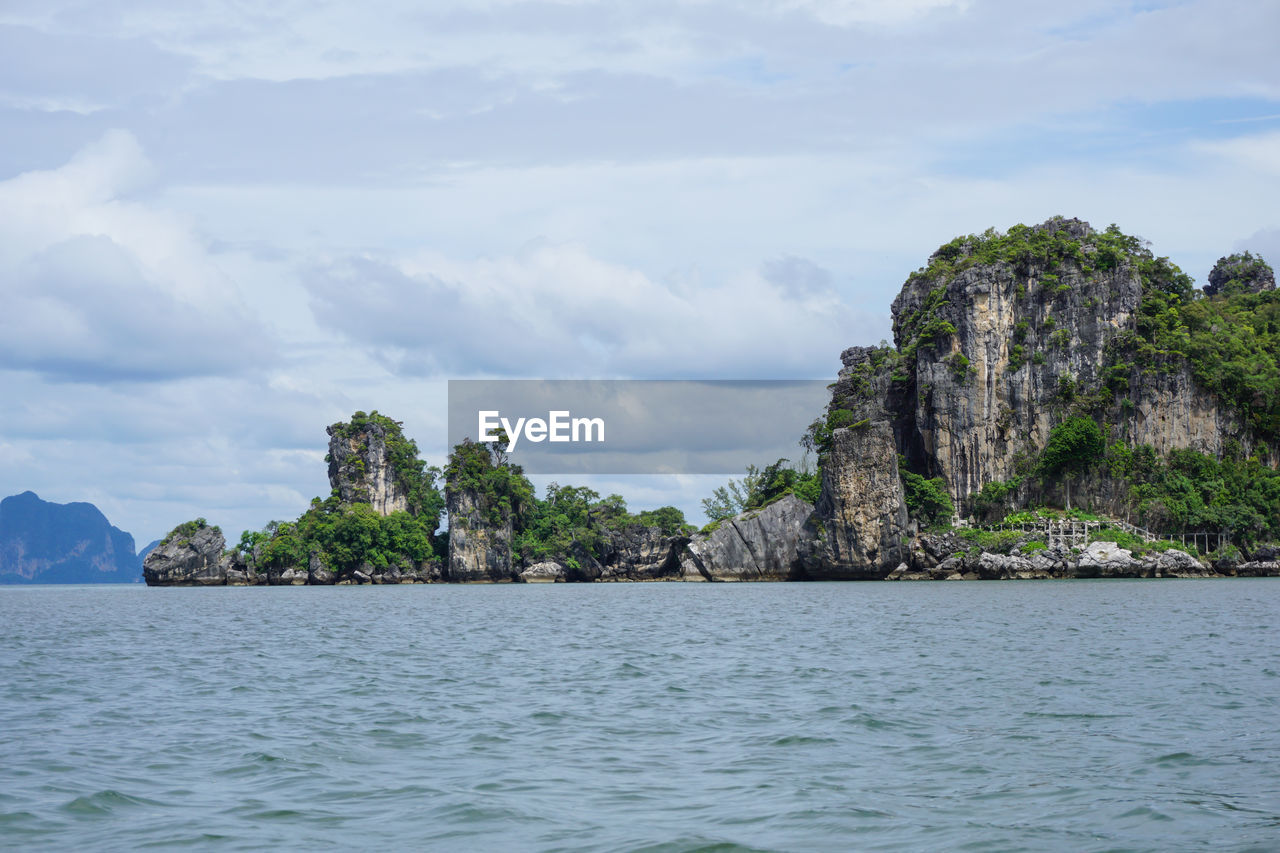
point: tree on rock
(1073, 446)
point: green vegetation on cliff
(1183, 491)
(344, 537)
(573, 520)
(1033, 249)
(1226, 338)
(1230, 343)
(927, 499)
(1073, 446)
(186, 530)
(1192, 491)
(481, 471)
(568, 523)
(763, 486)
(409, 471)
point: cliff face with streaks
(858, 529)
(479, 543)
(360, 469)
(972, 400)
(998, 340)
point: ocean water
(1072, 715)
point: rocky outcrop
(858, 529)
(975, 399)
(360, 467)
(545, 572)
(1256, 569)
(1244, 273)
(641, 553)
(190, 559)
(425, 572)
(947, 557)
(758, 545)
(479, 540)
(1107, 560)
(997, 341)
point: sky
(224, 227)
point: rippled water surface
(1074, 715)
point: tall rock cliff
(860, 520)
(482, 497)
(361, 464)
(480, 532)
(988, 345)
(858, 530)
(999, 339)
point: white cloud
(98, 286)
(1257, 152)
(557, 311)
(846, 13)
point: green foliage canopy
(499, 488)
(927, 499)
(1073, 445)
(760, 487)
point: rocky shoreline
(756, 546)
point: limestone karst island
(1058, 402)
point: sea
(1080, 715)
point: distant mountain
(43, 542)
(147, 549)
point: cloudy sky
(222, 228)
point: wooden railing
(1070, 533)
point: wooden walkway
(1069, 533)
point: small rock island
(1058, 402)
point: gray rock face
(318, 574)
(1172, 413)
(754, 546)
(1258, 569)
(968, 425)
(479, 549)
(360, 469)
(188, 561)
(1107, 560)
(290, 576)
(639, 553)
(547, 572)
(1173, 563)
(858, 527)
(1005, 567)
